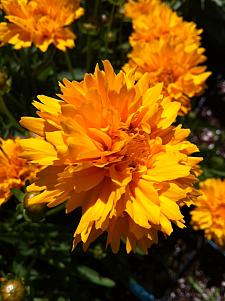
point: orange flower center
(167, 77)
(137, 150)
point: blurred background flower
(14, 171)
(209, 214)
(167, 47)
(42, 22)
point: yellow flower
(14, 171)
(178, 67)
(168, 48)
(136, 9)
(108, 146)
(153, 20)
(42, 22)
(209, 214)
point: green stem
(28, 86)
(216, 172)
(88, 56)
(69, 64)
(45, 62)
(89, 39)
(55, 210)
(15, 101)
(4, 110)
(109, 29)
(97, 2)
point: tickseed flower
(209, 213)
(179, 68)
(108, 146)
(153, 19)
(14, 171)
(136, 9)
(168, 48)
(42, 22)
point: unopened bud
(12, 290)
(33, 211)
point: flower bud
(12, 290)
(90, 28)
(5, 82)
(34, 211)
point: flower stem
(90, 38)
(96, 8)
(109, 29)
(4, 110)
(69, 64)
(47, 60)
(88, 57)
(55, 210)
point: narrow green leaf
(94, 276)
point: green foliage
(212, 296)
(94, 277)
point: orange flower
(42, 22)
(209, 214)
(109, 147)
(14, 171)
(153, 20)
(178, 67)
(168, 48)
(136, 9)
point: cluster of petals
(180, 71)
(108, 146)
(209, 213)
(167, 47)
(41, 22)
(153, 19)
(14, 171)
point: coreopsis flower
(179, 68)
(42, 22)
(209, 213)
(136, 9)
(168, 48)
(109, 146)
(14, 171)
(152, 20)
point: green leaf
(214, 172)
(94, 276)
(19, 270)
(45, 73)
